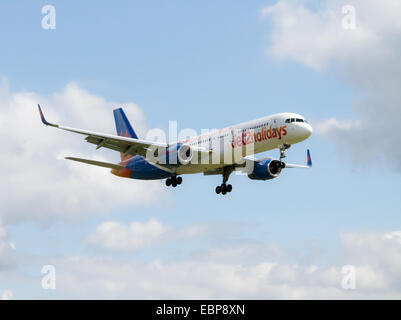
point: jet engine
(185, 154)
(267, 169)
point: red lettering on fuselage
(265, 134)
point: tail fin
(123, 128)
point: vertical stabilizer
(123, 127)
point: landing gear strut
(224, 188)
(283, 148)
(173, 181)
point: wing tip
(42, 117)
(308, 158)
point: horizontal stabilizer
(97, 163)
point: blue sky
(206, 65)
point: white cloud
(333, 126)
(137, 235)
(368, 58)
(36, 184)
(7, 250)
(8, 261)
(396, 236)
(378, 256)
(6, 295)
(375, 256)
(318, 39)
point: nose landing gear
(283, 148)
(173, 181)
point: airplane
(219, 152)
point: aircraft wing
(287, 165)
(125, 145)
(249, 161)
(308, 162)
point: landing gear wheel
(223, 188)
(174, 182)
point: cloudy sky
(205, 65)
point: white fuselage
(249, 138)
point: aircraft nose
(305, 130)
(308, 129)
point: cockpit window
(295, 120)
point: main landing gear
(224, 188)
(173, 181)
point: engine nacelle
(265, 170)
(175, 154)
(185, 154)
